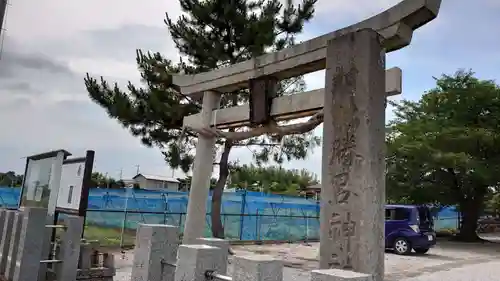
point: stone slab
(14, 245)
(195, 260)
(339, 275)
(223, 245)
(5, 239)
(257, 268)
(70, 248)
(155, 252)
(31, 244)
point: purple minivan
(409, 227)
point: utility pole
(121, 173)
(138, 169)
(106, 179)
(3, 12)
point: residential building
(157, 183)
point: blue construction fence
(246, 215)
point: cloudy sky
(51, 44)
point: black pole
(3, 9)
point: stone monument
(352, 107)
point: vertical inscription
(342, 159)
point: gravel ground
(447, 261)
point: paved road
(448, 261)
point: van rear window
(397, 214)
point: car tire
(421, 250)
(401, 246)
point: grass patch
(109, 237)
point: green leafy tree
(493, 204)
(211, 34)
(445, 148)
(272, 179)
(11, 179)
(103, 181)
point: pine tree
(211, 34)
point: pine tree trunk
(217, 227)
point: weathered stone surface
(257, 268)
(6, 238)
(87, 250)
(47, 232)
(194, 261)
(285, 107)
(223, 245)
(30, 245)
(70, 248)
(14, 245)
(155, 252)
(339, 275)
(194, 226)
(353, 164)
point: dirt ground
(447, 261)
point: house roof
(316, 186)
(157, 178)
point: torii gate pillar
(353, 182)
(202, 171)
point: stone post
(257, 268)
(194, 261)
(155, 252)
(14, 245)
(339, 275)
(223, 245)
(31, 243)
(353, 164)
(47, 245)
(3, 213)
(69, 251)
(202, 170)
(5, 238)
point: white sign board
(70, 190)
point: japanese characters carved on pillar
(343, 158)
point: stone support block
(6, 238)
(257, 268)
(14, 245)
(31, 243)
(195, 260)
(155, 252)
(223, 245)
(70, 248)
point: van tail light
(415, 228)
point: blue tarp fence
(246, 215)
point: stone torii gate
(352, 108)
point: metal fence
(114, 214)
(245, 215)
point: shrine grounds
(447, 261)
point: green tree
(103, 181)
(493, 204)
(445, 148)
(11, 179)
(271, 179)
(211, 34)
